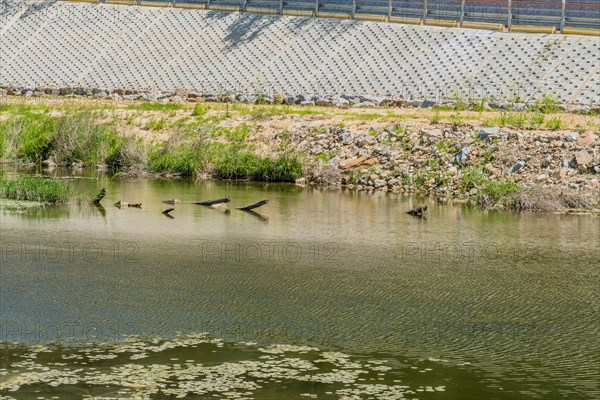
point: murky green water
(323, 293)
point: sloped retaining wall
(101, 49)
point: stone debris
(516, 167)
(485, 133)
(583, 158)
(447, 161)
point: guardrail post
(353, 8)
(389, 10)
(563, 16)
(509, 25)
(462, 12)
(316, 7)
(424, 12)
(280, 6)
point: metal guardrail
(527, 14)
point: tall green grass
(224, 161)
(35, 189)
(183, 161)
(27, 137)
(192, 149)
(76, 136)
(247, 165)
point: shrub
(130, 155)
(478, 106)
(456, 119)
(9, 137)
(489, 122)
(285, 168)
(458, 103)
(517, 120)
(548, 104)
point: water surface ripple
(510, 301)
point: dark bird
(417, 211)
(99, 197)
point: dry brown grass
(551, 200)
(322, 174)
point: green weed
(155, 124)
(155, 106)
(554, 123)
(200, 109)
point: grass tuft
(200, 109)
(494, 193)
(554, 123)
(30, 188)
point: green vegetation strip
(198, 145)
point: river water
(320, 294)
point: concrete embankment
(103, 48)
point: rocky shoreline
(554, 158)
(554, 171)
(467, 161)
(267, 95)
(458, 162)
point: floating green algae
(195, 365)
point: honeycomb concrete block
(168, 49)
